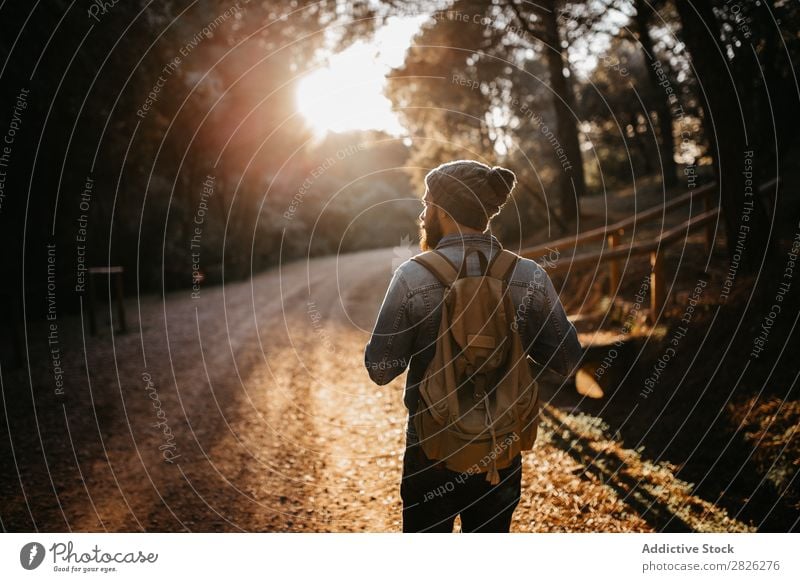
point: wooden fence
(615, 250)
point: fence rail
(615, 250)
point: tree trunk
(639, 141)
(662, 106)
(745, 219)
(572, 181)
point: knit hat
(470, 192)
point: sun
(347, 94)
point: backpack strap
(482, 262)
(439, 265)
(503, 264)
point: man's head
(462, 196)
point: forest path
(277, 426)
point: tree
(614, 106)
(88, 80)
(730, 129)
(572, 183)
(662, 106)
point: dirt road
(249, 409)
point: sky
(347, 93)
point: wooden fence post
(709, 229)
(92, 316)
(116, 273)
(656, 283)
(121, 302)
(613, 268)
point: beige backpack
(479, 404)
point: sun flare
(347, 94)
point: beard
(430, 232)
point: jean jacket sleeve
(389, 349)
(554, 339)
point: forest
(203, 198)
(582, 98)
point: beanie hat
(471, 193)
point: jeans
(433, 496)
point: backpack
(479, 404)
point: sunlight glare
(347, 94)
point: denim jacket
(408, 323)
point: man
(461, 198)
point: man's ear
(445, 220)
